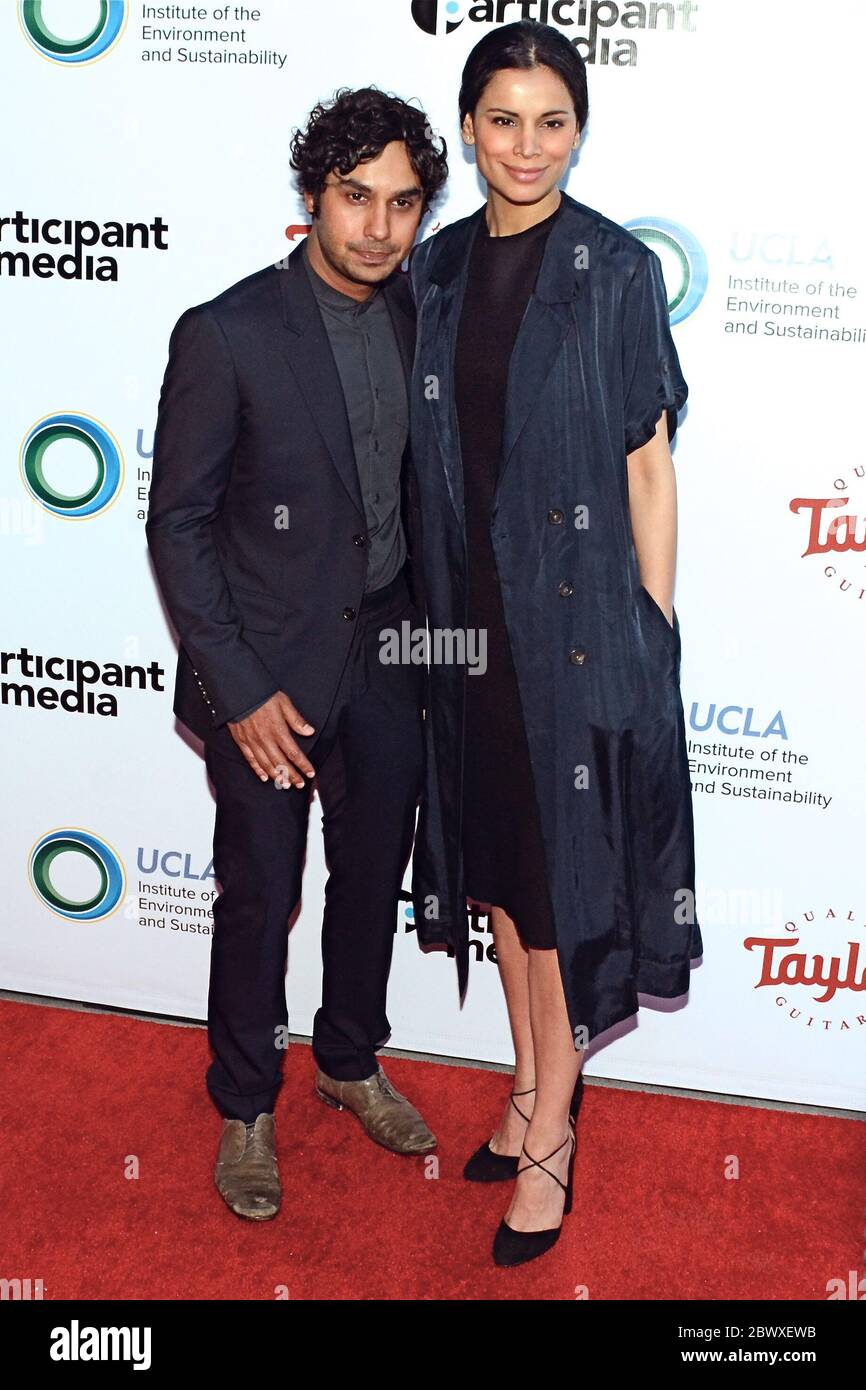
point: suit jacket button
(566, 589)
(359, 540)
(577, 656)
(556, 516)
(348, 614)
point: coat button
(555, 516)
(348, 614)
(577, 656)
(566, 589)
(359, 540)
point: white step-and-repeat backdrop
(145, 168)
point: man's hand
(265, 739)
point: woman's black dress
(503, 851)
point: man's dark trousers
(368, 760)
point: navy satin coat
(597, 662)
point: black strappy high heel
(487, 1166)
(512, 1247)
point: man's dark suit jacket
(256, 524)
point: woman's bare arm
(652, 490)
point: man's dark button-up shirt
(371, 371)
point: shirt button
(577, 656)
(348, 614)
(555, 516)
(566, 589)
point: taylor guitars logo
(835, 528)
(814, 970)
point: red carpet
(654, 1217)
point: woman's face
(524, 130)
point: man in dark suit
(282, 541)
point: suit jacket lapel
(308, 353)
(307, 350)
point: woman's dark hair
(525, 44)
(355, 126)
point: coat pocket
(260, 612)
(671, 633)
(667, 637)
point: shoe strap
(517, 1107)
(540, 1162)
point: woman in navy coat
(545, 393)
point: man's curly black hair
(357, 125)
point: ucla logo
(682, 258)
(86, 48)
(79, 901)
(104, 451)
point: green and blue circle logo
(86, 457)
(99, 35)
(683, 259)
(78, 875)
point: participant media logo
(683, 261)
(77, 875)
(437, 16)
(92, 41)
(607, 28)
(85, 453)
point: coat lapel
(438, 320)
(548, 319)
(398, 298)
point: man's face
(367, 221)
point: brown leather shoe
(389, 1118)
(246, 1170)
